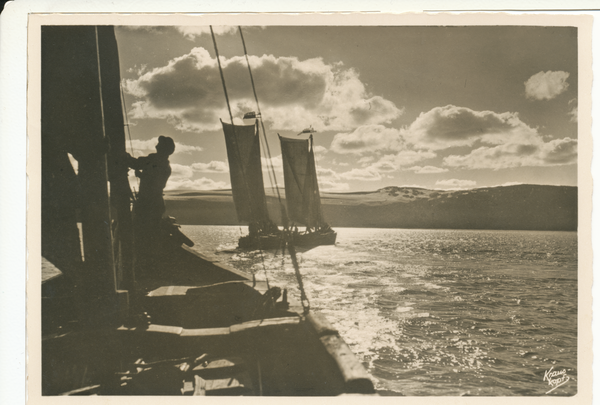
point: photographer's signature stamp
(555, 378)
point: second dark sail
(302, 192)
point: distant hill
(519, 207)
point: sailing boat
(302, 192)
(301, 189)
(245, 170)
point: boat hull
(276, 241)
(315, 238)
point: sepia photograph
(236, 206)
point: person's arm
(136, 163)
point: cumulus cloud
(149, 146)
(367, 139)
(427, 169)
(383, 166)
(392, 162)
(506, 140)
(559, 152)
(410, 157)
(329, 180)
(374, 172)
(546, 85)
(196, 184)
(320, 150)
(574, 110)
(495, 140)
(148, 28)
(367, 174)
(552, 153)
(451, 126)
(455, 183)
(191, 32)
(215, 166)
(323, 172)
(181, 179)
(179, 172)
(188, 93)
(276, 162)
(333, 186)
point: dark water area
(438, 312)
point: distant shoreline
(518, 207)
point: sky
(434, 107)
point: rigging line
(266, 149)
(269, 164)
(100, 84)
(129, 134)
(221, 73)
(232, 124)
(291, 248)
(126, 120)
(132, 190)
(105, 160)
(267, 159)
(312, 151)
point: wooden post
(73, 117)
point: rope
(114, 273)
(126, 120)
(100, 84)
(320, 213)
(290, 246)
(237, 151)
(221, 73)
(268, 150)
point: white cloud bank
(293, 93)
(367, 139)
(215, 166)
(181, 179)
(452, 126)
(514, 154)
(149, 146)
(492, 141)
(546, 85)
(455, 183)
(191, 31)
(427, 169)
(574, 110)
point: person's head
(165, 145)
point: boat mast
(271, 168)
(316, 198)
(77, 96)
(252, 202)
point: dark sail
(300, 177)
(243, 153)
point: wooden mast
(74, 93)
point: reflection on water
(437, 312)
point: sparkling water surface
(437, 312)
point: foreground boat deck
(214, 335)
